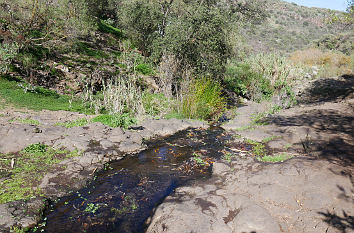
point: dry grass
(329, 63)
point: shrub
(7, 53)
(262, 76)
(243, 81)
(203, 100)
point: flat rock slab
(97, 143)
(299, 195)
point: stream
(124, 194)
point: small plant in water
(91, 208)
(198, 159)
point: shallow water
(124, 195)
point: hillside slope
(290, 27)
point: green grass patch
(76, 123)
(106, 28)
(174, 115)
(271, 138)
(275, 158)
(27, 121)
(124, 120)
(29, 166)
(144, 69)
(21, 95)
(258, 148)
(155, 104)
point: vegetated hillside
(291, 27)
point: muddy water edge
(123, 195)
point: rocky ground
(312, 192)
(97, 144)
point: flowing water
(123, 196)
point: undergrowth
(23, 171)
(20, 94)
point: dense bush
(261, 76)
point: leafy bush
(124, 120)
(243, 81)
(261, 76)
(7, 53)
(204, 100)
(144, 69)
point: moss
(25, 170)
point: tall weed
(203, 100)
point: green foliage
(204, 100)
(144, 69)
(198, 159)
(258, 148)
(21, 94)
(91, 208)
(155, 104)
(86, 49)
(103, 26)
(228, 157)
(123, 120)
(263, 75)
(241, 79)
(29, 166)
(36, 148)
(7, 53)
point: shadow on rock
(328, 89)
(343, 224)
(329, 134)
